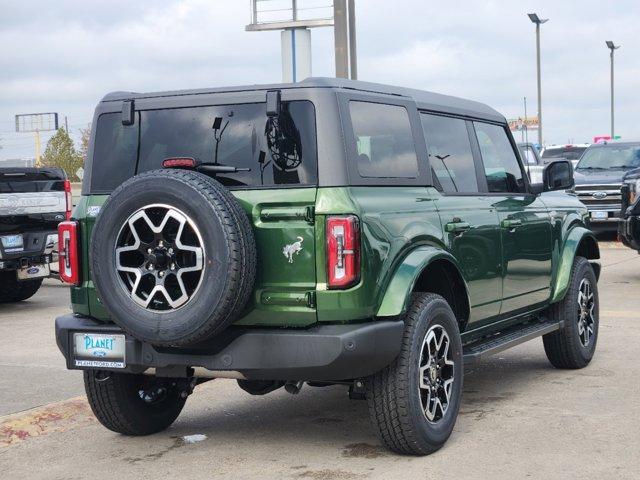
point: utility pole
(538, 21)
(66, 125)
(341, 39)
(353, 55)
(612, 47)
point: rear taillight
(343, 251)
(68, 198)
(68, 259)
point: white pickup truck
(32, 203)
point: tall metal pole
(612, 96)
(539, 84)
(538, 21)
(613, 47)
(353, 56)
(341, 38)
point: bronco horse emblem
(294, 248)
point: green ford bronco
(327, 232)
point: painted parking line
(54, 417)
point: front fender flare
(397, 296)
(569, 249)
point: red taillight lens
(68, 259)
(343, 251)
(69, 199)
(179, 162)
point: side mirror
(558, 175)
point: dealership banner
(519, 124)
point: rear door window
(499, 158)
(114, 153)
(450, 154)
(384, 140)
(266, 151)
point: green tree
(85, 133)
(62, 153)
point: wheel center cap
(159, 258)
(433, 373)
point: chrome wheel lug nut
(149, 251)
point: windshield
(570, 153)
(610, 158)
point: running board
(507, 338)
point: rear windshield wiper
(217, 168)
(590, 168)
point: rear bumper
(321, 353)
(40, 248)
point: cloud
(65, 56)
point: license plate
(99, 350)
(34, 271)
(599, 215)
(13, 242)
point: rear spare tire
(173, 257)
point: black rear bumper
(320, 353)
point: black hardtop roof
(425, 100)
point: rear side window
(114, 153)
(499, 158)
(384, 141)
(266, 151)
(450, 154)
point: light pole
(538, 21)
(611, 46)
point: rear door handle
(510, 223)
(457, 227)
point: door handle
(457, 227)
(511, 223)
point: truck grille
(604, 197)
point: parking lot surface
(520, 418)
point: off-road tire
(27, 289)
(229, 246)
(393, 393)
(115, 400)
(563, 347)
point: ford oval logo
(99, 353)
(599, 195)
(33, 270)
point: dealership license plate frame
(99, 350)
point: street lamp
(611, 46)
(538, 21)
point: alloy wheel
(160, 257)
(437, 370)
(586, 304)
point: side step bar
(507, 338)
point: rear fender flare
(397, 295)
(578, 239)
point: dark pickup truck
(32, 203)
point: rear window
(266, 151)
(384, 140)
(114, 153)
(570, 153)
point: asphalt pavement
(520, 418)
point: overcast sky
(64, 56)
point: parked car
(598, 178)
(328, 231)
(533, 164)
(571, 152)
(629, 226)
(32, 203)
